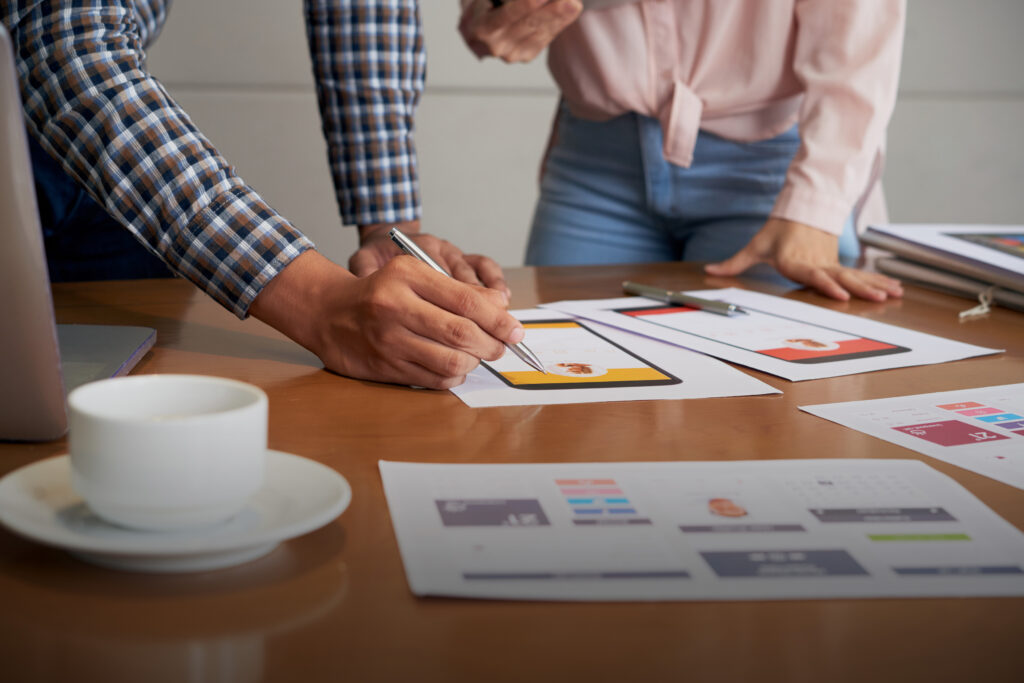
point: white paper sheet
(640, 369)
(981, 430)
(775, 529)
(793, 340)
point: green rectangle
(919, 537)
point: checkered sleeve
(90, 102)
(370, 65)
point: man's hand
(518, 30)
(808, 256)
(405, 323)
(376, 249)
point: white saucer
(299, 495)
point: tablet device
(39, 360)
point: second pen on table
(670, 297)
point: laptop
(40, 361)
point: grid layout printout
(789, 339)
(778, 529)
(981, 430)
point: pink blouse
(748, 70)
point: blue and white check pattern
(370, 66)
(90, 102)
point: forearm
(847, 57)
(91, 104)
(367, 103)
(292, 300)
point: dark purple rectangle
(765, 564)
(739, 528)
(935, 514)
(958, 571)
(515, 512)
(607, 521)
(532, 576)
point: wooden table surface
(334, 604)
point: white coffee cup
(166, 452)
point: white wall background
(241, 69)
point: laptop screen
(32, 380)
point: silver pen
(412, 249)
(646, 291)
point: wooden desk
(334, 605)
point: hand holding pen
(401, 323)
(412, 249)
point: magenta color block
(950, 433)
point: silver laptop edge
(32, 381)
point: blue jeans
(82, 241)
(609, 196)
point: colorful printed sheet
(587, 362)
(981, 429)
(786, 338)
(772, 529)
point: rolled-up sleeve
(847, 57)
(369, 63)
(90, 102)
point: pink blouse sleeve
(847, 57)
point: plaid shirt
(91, 103)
